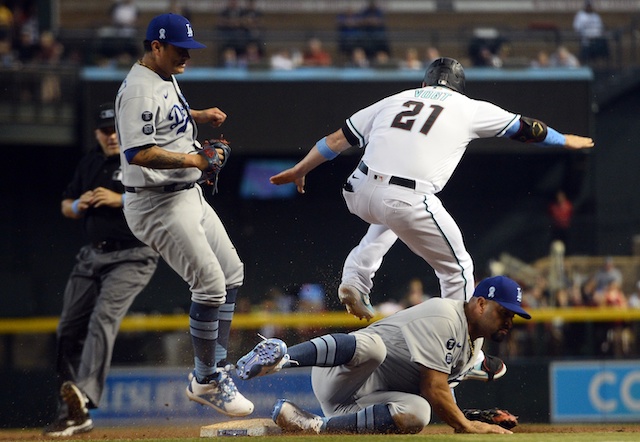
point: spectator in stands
(27, 28)
(230, 28)
(251, 23)
(252, 55)
(415, 293)
(607, 274)
(373, 29)
(542, 60)
(6, 34)
(282, 59)
(358, 59)
(315, 55)
(411, 61)
(179, 7)
(230, 59)
(561, 213)
(49, 56)
(563, 58)
(590, 28)
(484, 47)
(430, 54)
(124, 14)
(382, 60)
(349, 32)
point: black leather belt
(398, 181)
(175, 187)
(112, 245)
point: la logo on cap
(189, 30)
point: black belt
(175, 187)
(112, 245)
(398, 181)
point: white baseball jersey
(422, 134)
(152, 111)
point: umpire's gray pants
(99, 292)
(354, 386)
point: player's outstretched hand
(577, 142)
(477, 427)
(289, 176)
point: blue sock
(373, 419)
(224, 330)
(203, 327)
(325, 351)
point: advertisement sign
(595, 391)
(137, 395)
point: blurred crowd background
(47, 46)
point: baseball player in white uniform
(165, 206)
(389, 376)
(414, 140)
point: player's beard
(500, 335)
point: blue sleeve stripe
(553, 138)
(132, 152)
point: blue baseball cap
(504, 291)
(173, 29)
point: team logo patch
(448, 358)
(117, 175)
(451, 343)
(147, 129)
(147, 116)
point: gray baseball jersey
(433, 334)
(181, 225)
(389, 356)
(152, 111)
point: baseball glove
(215, 164)
(492, 416)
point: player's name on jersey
(432, 95)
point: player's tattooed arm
(157, 158)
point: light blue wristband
(324, 150)
(124, 196)
(74, 206)
(553, 138)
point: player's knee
(411, 415)
(369, 349)
(209, 299)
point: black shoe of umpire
(77, 420)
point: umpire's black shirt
(101, 223)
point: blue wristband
(324, 150)
(553, 138)
(74, 206)
(124, 196)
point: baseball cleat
(489, 369)
(77, 419)
(269, 356)
(220, 394)
(356, 302)
(290, 417)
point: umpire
(111, 270)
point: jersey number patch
(405, 119)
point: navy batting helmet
(445, 72)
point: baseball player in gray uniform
(390, 376)
(165, 206)
(414, 140)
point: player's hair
(445, 72)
